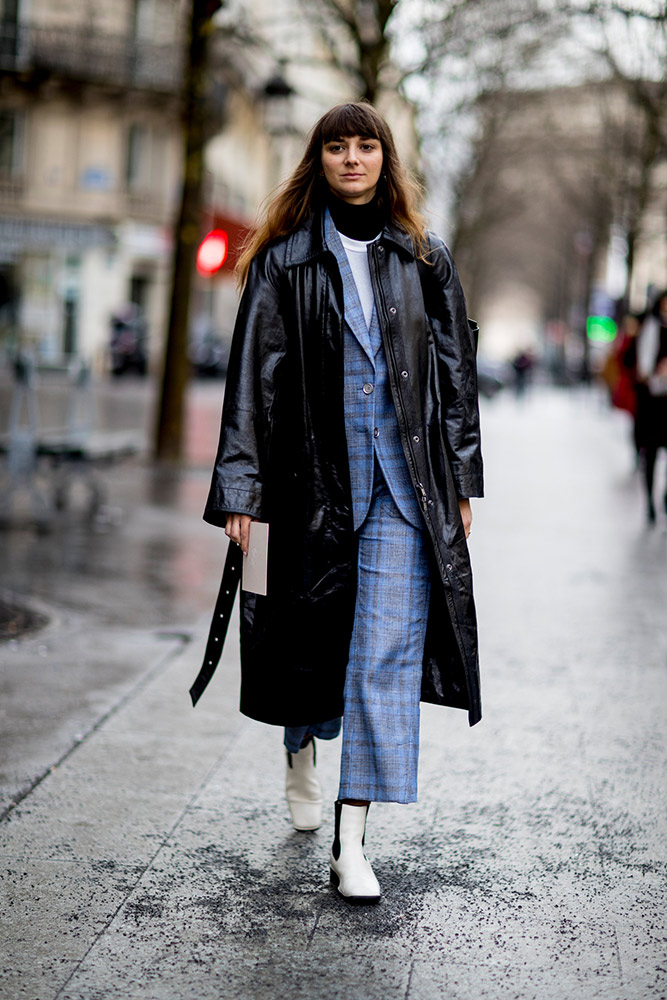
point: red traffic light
(212, 252)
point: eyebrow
(364, 138)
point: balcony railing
(79, 54)
(11, 190)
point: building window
(145, 162)
(137, 170)
(9, 11)
(144, 20)
(11, 144)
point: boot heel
(333, 878)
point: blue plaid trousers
(383, 680)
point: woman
(350, 425)
(619, 371)
(652, 395)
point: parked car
(128, 345)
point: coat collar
(309, 241)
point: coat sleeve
(258, 346)
(456, 344)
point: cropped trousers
(383, 679)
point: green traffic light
(601, 329)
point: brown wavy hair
(306, 190)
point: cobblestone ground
(149, 855)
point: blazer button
(404, 374)
(393, 310)
(367, 388)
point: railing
(147, 206)
(78, 53)
(11, 190)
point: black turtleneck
(358, 222)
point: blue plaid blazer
(371, 426)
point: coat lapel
(354, 314)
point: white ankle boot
(351, 870)
(303, 789)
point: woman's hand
(237, 530)
(466, 516)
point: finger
(245, 534)
(233, 528)
(236, 530)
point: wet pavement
(149, 855)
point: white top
(357, 254)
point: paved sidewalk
(156, 860)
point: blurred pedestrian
(350, 425)
(652, 395)
(523, 364)
(619, 371)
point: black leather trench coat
(282, 458)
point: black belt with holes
(223, 612)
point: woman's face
(352, 167)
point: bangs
(346, 120)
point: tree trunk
(169, 424)
(649, 155)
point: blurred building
(90, 155)
(89, 165)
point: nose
(352, 156)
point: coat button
(367, 388)
(393, 310)
(404, 374)
(449, 567)
(376, 432)
(380, 248)
(416, 439)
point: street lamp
(277, 97)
